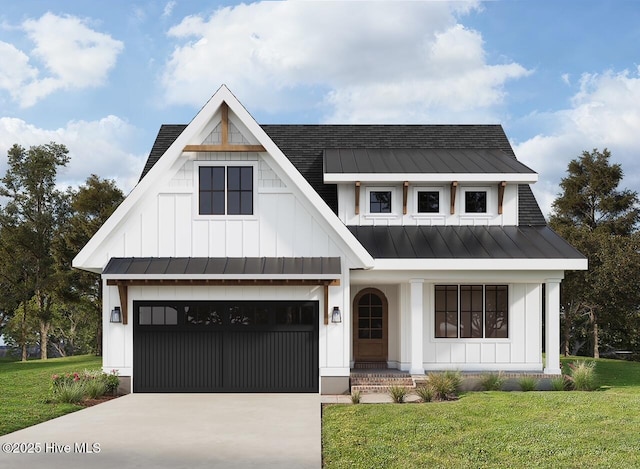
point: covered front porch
(471, 321)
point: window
(380, 202)
(446, 311)
(225, 190)
(496, 312)
(370, 317)
(471, 311)
(227, 315)
(475, 201)
(158, 315)
(428, 202)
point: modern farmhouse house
(275, 258)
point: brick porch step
(379, 381)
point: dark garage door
(219, 346)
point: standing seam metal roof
(425, 161)
(463, 242)
(227, 266)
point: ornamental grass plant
(582, 375)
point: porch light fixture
(336, 315)
(116, 315)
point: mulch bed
(99, 400)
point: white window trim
(471, 340)
(395, 204)
(492, 202)
(226, 163)
(414, 201)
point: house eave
(436, 264)
(513, 178)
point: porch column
(552, 326)
(417, 312)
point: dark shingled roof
(463, 242)
(166, 136)
(223, 266)
(304, 145)
(529, 212)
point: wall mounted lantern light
(336, 315)
(116, 315)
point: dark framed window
(370, 317)
(158, 316)
(380, 202)
(446, 311)
(496, 312)
(225, 190)
(211, 190)
(240, 190)
(472, 311)
(428, 202)
(475, 201)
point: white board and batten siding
(521, 351)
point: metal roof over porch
(464, 242)
(223, 267)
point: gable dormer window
(225, 190)
(380, 202)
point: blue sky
(101, 77)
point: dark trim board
(225, 346)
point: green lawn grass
(25, 388)
(495, 429)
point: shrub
(112, 381)
(582, 376)
(559, 383)
(398, 394)
(425, 393)
(355, 397)
(492, 381)
(527, 383)
(444, 385)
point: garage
(225, 346)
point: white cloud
(604, 113)
(71, 53)
(373, 61)
(95, 147)
(15, 70)
(168, 9)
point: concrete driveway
(176, 431)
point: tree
(600, 221)
(30, 220)
(79, 290)
(591, 199)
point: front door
(370, 317)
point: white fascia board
(519, 178)
(221, 277)
(368, 277)
(480, 264)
